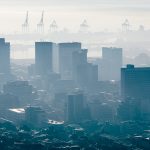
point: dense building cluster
(89, 135)
(65, 100)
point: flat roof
(18, 110)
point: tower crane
(25, 25)
(40, 25)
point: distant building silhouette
(43, 57)
(22, 90)
(79, 59)
(111, 63)
(35, 116)
(65, 58)
(135, 82)
(75, 107)
(4, 56)
(85, 74)
(135, 87)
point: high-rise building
(22, 89)
(4, 57)
(75, 107)
(84, 73)
(79, 58)
(65, 58)
(87, 75)
(111, 63)
(35, 116)
(92, 73)
(135, 82)
(43, 57)
(55, 58)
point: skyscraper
(35, 116)
(22, 89)
(135, 91)
(85, 74)
(111, 63)
(79, 58)
(135, 82)
(65, 58)
(4, 57)
(43, 57)
(75, 107)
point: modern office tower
(35, 116)
(55, 59)
(92, 73)
(135, 82)
(65, 59)
(111, 64)
(75, 107)
(84, 73)
(87, 75)
(43, 57)
(22, 90)
(4, 57)
(79, 58)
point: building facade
(4, 57)
(66, 60)
(135, 82)
(43, 57)
(111, 63)
(75, 107)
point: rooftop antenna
(40, 25)
(25, 25)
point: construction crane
(40, 25)
(126, 26)
(25, 25)
(53, 26)
(84, 27)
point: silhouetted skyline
(63, 80)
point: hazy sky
(100, 14)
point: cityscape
(75, 90)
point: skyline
(74, 74)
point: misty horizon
(70, 14)
(74, 74)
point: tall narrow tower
(43, 57)
(40, 25)
(25, 25)
(4, 57)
